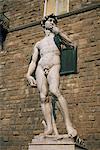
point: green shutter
(68, 60)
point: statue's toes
(72, 134)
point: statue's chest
(47, 42)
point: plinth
(61, 142)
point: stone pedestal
(55, 143)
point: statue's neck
(48, 33)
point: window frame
(56, 12)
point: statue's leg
(45, 103)
(53, 80)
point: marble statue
(47, 75)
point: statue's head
(51, 18)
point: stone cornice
(74, 12)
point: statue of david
(48, 76)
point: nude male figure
(47, 74)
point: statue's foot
(72, 132)
(46, 132)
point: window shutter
(68, 60)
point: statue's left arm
(56, 30)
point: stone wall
(20, 112)
(26, 11)
(22, 12)
(76, 4)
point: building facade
(20, 111)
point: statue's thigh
(41, 80)
(53, 76)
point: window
(56, 6)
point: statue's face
(50, 23)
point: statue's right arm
(32, 66)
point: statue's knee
(55, 91)
(44, 98)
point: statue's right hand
(31, 81)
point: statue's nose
(52, 23)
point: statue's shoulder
(37, 44)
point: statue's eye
(51, 20)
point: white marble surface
(61, 142)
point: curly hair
(46, 18)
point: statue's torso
(50, 54)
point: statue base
(60, 142)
